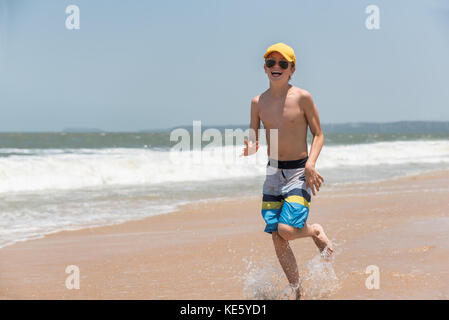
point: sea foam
(65, 169)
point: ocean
(70, 180)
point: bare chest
(277, 114)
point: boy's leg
(288, 262)
(315, 231)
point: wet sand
(218, 250)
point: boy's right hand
(250, 148)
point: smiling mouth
(276, 74)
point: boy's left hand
(313, 178)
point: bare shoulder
(300, 93)
(255, 107)
(258, 100)
(304, 97)
(255, 104)
(255, 100)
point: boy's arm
(254, 124)
(313, 178)
(253, 144)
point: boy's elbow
(319, 136)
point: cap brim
(270, 52)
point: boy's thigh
(271, 211)
(293, 214)
(272, 200)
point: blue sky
(137, 65)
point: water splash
(265, 282)
(268, 282)
(320, 280)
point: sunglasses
(271, 63)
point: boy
(291, 174)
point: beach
(127, 160)
(217, 250)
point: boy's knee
(285, 232)
(278, 239)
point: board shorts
(286, 199)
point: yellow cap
(286, 51)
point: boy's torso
(287, 116)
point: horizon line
(98, 130)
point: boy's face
(276, 73)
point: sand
(218, 250)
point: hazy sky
(136, 65)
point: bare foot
(322, 242)
(299, 292)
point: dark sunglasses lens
(270, 63)
(283, 64)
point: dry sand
(218, 250)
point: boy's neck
(278, 90)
